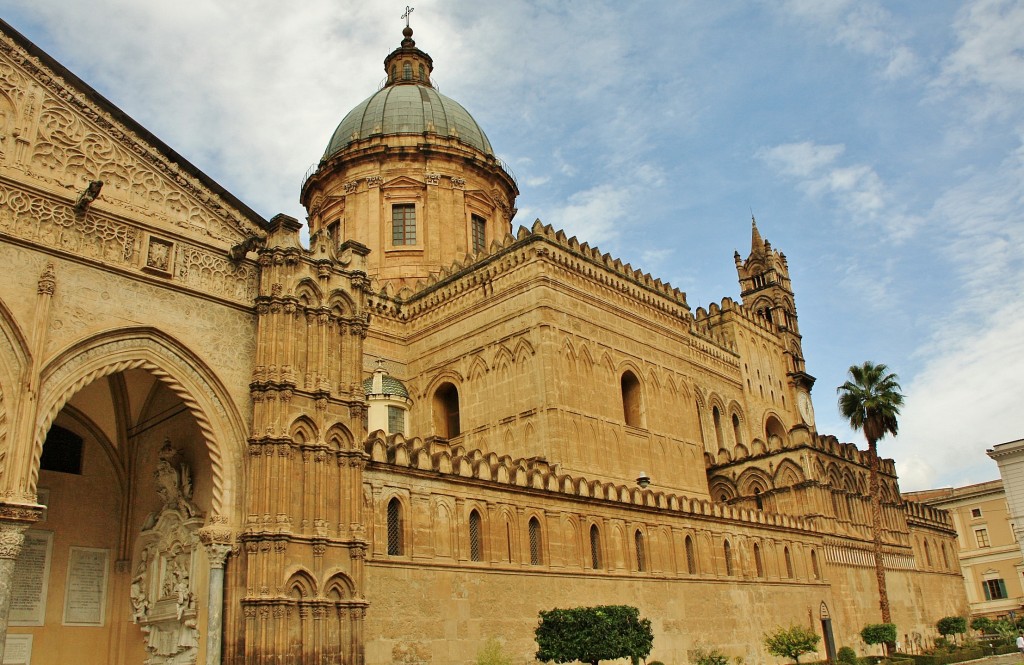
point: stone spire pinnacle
(756, 242)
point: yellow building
(219, 444)
(990, 556)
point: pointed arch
(477, 368)
(788, 474)
(303, 430)
(753, 480)
(339, 437)
(208, 401)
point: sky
(879, 145)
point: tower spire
(756, 242)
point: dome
(409, 109)
(389, 385)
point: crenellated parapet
(455, 462)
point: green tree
(870, 400)
(791, 642)
(951, 625)
(879, 633)
(593, 634)
(983, 624)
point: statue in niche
(163, 590)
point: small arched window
(446, 411)
(789, 562)
(395, 547)
(757, 498)
(407, 71)
(691, 556)
(476, 549)
(535, 542)
(632, 400)
(641, 554)
(595, 547)
(736, 429)
(814, 565)
(423, 74)
(928, 553)
(945, 557)
(727, 552)
(758, 565)
(716, 416)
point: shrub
(791, 642)
(984, 624)
(593, 634)
(879, 633)
(491, 653)
(846, 656)
(702, 656)
(951, 625)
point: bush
(984, 624)
(879, 633)
(846, 656)
(791, 642)
(951, 625)
(593, 634)
(491, 653)
(702, 656)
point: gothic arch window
(641, 553)
(789, 562)
(736, 429)
(700, 425)
(476, 546)
(632, 399)
(395, 539)
(535, 542)
(446, 411)
(814, 565)
(691, 557)
(758, 564)
(945, 557)
(716, 416)
(595, 547)
(758, 501)
(727, 552)
(928, 553)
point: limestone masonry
(221, 445)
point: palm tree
(871, 401)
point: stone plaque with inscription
(31, 579)
(85, 592)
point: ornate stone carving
(160, 255)
(47, 281)
(12, 537)
(432, 178)
(374, 181)
(162, 592)
(350, 187)
(458, 183)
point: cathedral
(390, 441)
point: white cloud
(595, 214)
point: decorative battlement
(926, 515)
(440, 457)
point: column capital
(217, 553)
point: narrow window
(757, 499)
(789, 562)
(736, 429)
(945, 557)
(407, 71)
(757, 561)
(479, 230)
(632, 400)
(727, 551)
(423, 74)
(394, 527)
(716, 416)
(928, 554)
(403, 224)
(62, 451)
(476, 550)
(982, 537)
(396, 419)
(535, 552)
(814, 565)
(595, 547)
(641, 555)
(446, 411)
(691, 558)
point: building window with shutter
(403, 224)
(476, 547)
(395, 528)
(994, 589)
(479, 234)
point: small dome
(389, 385)
(408, 109)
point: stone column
(12, 536)
(217, 553)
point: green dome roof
(390, 386)
(408, 109)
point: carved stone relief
(163, 590)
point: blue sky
(878, 144)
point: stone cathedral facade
(220, 443)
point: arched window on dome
(423, 73)
(446, 411)
(632, 399)
(406, 71)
